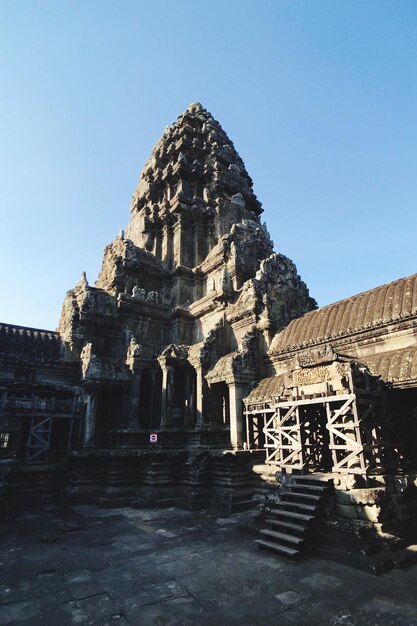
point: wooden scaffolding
(342, 433)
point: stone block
(343, 497)
(370, 513)
(348, 511)
(370, 496)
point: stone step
(244, 505)
(291, 514)
(281, 536)
(285, 524)
(284, 550)
(297, 505)
(306, 496)
(298, 487)
(310, 479)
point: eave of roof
(393, 302)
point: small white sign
(153, 437)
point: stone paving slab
(85, 565)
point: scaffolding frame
(42, 409)
(342, 433)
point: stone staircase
(290, 521)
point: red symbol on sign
(153, 437)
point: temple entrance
(146, 400)
(156, 399)
(220, 404)
(183, 412)
(109, 413)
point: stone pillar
(152, 399)
(158, 244)
(167, 244)
(199, 397)
(89, 420)
(134, 399)
(202, 236)
(167, 394)
(236, 394)
(177, 237)
(163, 421)
(191, 396)
(211, 239)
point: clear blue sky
(319, 98)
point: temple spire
(191, 182)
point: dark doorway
(109, 413)
(220, 404)
(156, 400)
(146, 400)
(184, 396)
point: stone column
(134, 399)
(89, 420)
(192, 398)
(167, 244)
(152, 399)
(199, 397)
(197, 237)
(236, 394)
(167, 393)
(170, 394)
(158, 244)
(177, 238)
(187, 395)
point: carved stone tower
(187, 300)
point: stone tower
(187, 300)
(139, 397)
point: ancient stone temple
(198, 355)
(166, 342)
(186, 300)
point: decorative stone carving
(249, 352)
(134, 351)
(314, 356)
(173, 352)
(195, 283)
(152, 296)
(96, 369)
(83, 282)
(276, 294)
(197, 257)
(138, 293)
(237, 198)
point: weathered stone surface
(180, 567)
(192, 312)
(185, 295)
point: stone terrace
(86, 565)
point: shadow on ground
(85, 565)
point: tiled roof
(397, 367)
(266, 390)
(22, 342)
(393, 302)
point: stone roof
(30, 343)
(398, 367)
(222, 369)
(266, 390)
(393, 302)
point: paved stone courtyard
(85, 565)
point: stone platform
(85, 565)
